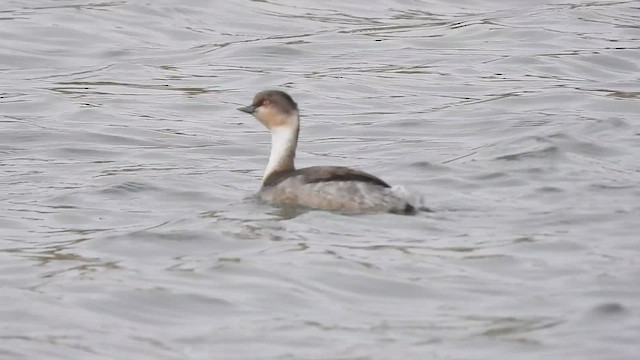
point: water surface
(129, 229)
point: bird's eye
(266, 102)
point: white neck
(284, 140)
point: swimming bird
(333, 188)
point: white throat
(283, 149)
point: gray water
(128, 226)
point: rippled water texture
(129, 230)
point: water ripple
(129, 225)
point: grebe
(320, 187)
